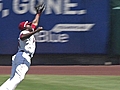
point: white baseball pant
(20, 65)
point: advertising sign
(70, 26)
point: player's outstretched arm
(39, 9)
(36, 20)
(25, 36)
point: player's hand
(39, 29)
(40, 8)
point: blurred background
(76, 32)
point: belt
(21, 51)
(24, 51)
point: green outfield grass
(65, 82)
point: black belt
(21, 51)
(24, 51)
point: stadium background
(77, 32)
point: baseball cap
(23, 24)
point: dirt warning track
(68, 70)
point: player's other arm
(25, 36)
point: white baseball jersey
(27, 45)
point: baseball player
(22, 59)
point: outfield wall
(75, 31)
(67, 59)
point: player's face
(29, 27)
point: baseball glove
(40, 8)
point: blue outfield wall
(70, 26)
